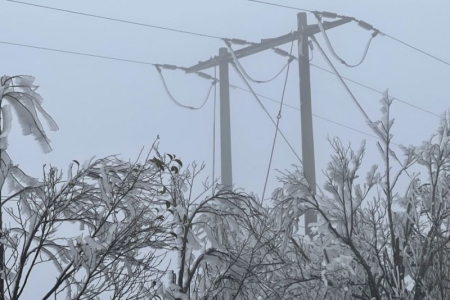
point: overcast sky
(107, 107)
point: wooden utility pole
(309, 167)
(301, 35)
(225, 127)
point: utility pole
(301, 35)
(309, 167)
(225, 127)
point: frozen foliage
(114, 209)
(107, 225)
(19, 93)
(373, 239)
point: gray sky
(106, 107)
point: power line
(199, 34)
(213, 83)
(241, 68)
(298, 109)
(330, 46)
(377, 91)
(234, 86)
(153, 64)
(417, 49)
(285, 54)
(157, 66)
(342, 81)
(206, 76)
(78, 53)
(279, 5)
(381, 32)
(117, 20)
(369, 121)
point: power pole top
(266, 44)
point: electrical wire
(153, 64)
(377, 91)
(285, 54)
(78, 53)
(341, 79)
(149, 63)
(381, 32)
(369, 121)
(279, 5)
(157, 66)
(276, 129)
(116, 20)
(202, 34)
(415, 48)
(314, 115)
(330, 46)
(265, 110)
(175, 100)
(241, 68)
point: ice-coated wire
(340, 79)
(175, 100)
(265, 110)
(242, 70)
(369, 121)
(330, 46)
(381, 32)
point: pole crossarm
(266, 44)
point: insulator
(238, 41)
(204, 75)
(365, 25)
(328, 14)
(281, 52)
(169, 67)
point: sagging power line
(206, 76)
(304, 32)
(235, 41)
(362, 24)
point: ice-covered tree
(18, 93)
(374, 239)
(93, 231)
(221, 239)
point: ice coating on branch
(6, 127)
(19, 93)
